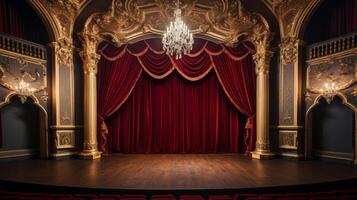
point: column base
(262, 155)
(90, 155)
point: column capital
(262, 61)
(63, 50)
(89, 54)
(261, 40)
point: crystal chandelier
(24, 90)
(177, 38)
(329, 92)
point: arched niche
(30, 116)
(337, 122)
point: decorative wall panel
(288, 140)
(65, 139)
(341, 71)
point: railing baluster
(17, 45)
(332, 46)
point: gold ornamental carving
(288, 13)
(87, 146)
(126, 21)
(340, 71)
(289, 50)
(261, 40)
(65, 139)
(64, 12)
(89, 54)
(64, 51)
(288, 139)
(262, 146)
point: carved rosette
(263, 55)
(89, 54)
(289, 50)
(64, 51)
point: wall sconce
(24, 90)
(329, 91)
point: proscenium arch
(44, 149)
(308, 124)
(251, 25)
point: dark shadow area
(20, 125)
(333, 130)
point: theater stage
(173, 171)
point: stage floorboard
(174, 171)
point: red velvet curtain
(174, 115)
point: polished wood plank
(174, 171)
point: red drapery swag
(161, 111)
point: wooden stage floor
(174, 171)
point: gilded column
(90, 61)
(289, 129)
(262, 59)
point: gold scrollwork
(89, 53)
(288, 139)
(289, 50)
(63, 51)
(225, 21)
(261, 39)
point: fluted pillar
(262, 59)
(90, 63)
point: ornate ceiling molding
(222, 20)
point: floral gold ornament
(289, 50)
(22, 76)
(224, 21)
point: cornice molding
(225, 21)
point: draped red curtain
(195, 109)
(175, 115)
